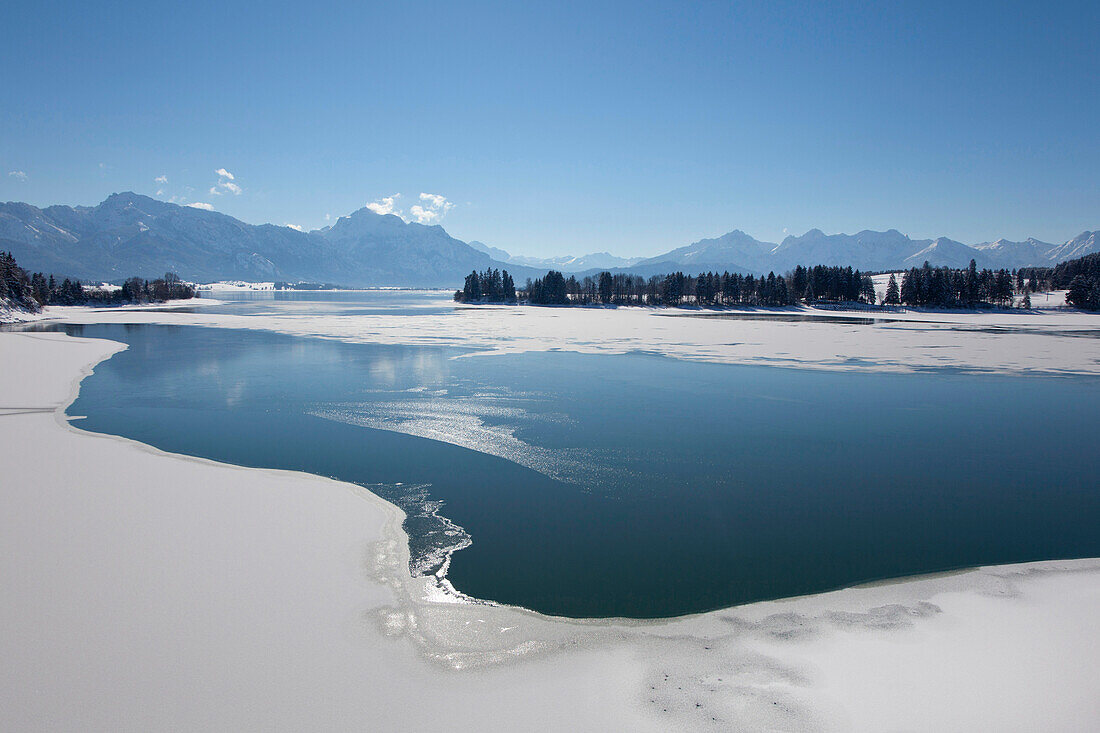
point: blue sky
(567, 127)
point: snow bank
(146, 591)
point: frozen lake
(631, 484)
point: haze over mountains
(130, 234)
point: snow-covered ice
(1052, 342)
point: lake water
(632, 485)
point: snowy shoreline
(115, 582)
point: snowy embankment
(11, 314)
(147, 591)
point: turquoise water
(632, 485)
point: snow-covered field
(146, 591)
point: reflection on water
(632, 485)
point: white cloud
(431, 209)
(327, 217)
(201, 205)
(225, 183)
(224, 186)
(161, 180)
(160, 192)
(437, 201)
(295, 227)
(20, 175)
(422, 215)
(387, 205)
(435, 207)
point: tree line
(944, 287)
(803, 284)
(32, 291)
(1082, 278)
(924, 287)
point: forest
(924, 287)
(31, 292)
(943, 287)
(1081, 277)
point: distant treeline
(31, 292)
(926, 287)
(803, 284)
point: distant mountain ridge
(130, 234)
(865, 250)
(566, 263)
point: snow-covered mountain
(940, 252)
(129, 234)
(867, 250)
(1085, 243)
(735, 250)
(1003, 253)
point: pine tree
(605, 287)
(893, 295)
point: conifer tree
(893, 295)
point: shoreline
(433, 584)
(426, 587)
(764, 636)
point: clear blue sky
(568, 127)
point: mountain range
(130, 234)
(865, 250)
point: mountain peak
(127, 197)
